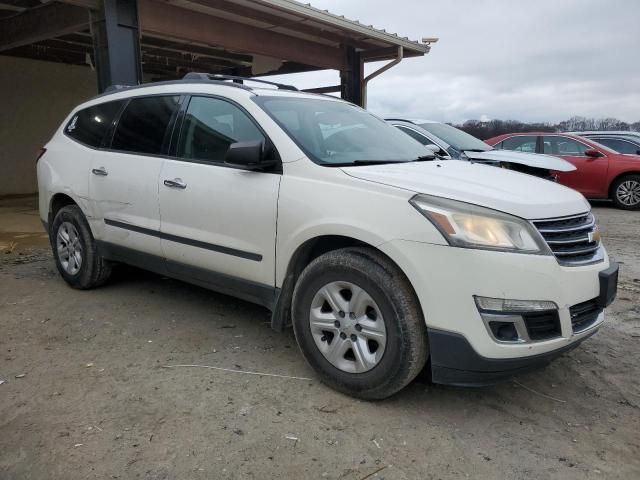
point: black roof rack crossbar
(234, 78)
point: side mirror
(433, 148)
(593, 153)
(638, 152)
(248, 155)
(437, 151)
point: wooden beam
(300, 24)
(332, 89)
(48, 21)
(48, 54)
(193, 49)
(385, 53)
(378, 54)
(92, 4)
(162, 19)
(11, 8)
(286, 68)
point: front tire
(625, 192)
(75, 252)
(359, 324)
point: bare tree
(492, 128)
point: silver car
(448, 142)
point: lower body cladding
(491, 315)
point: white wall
(35, 97)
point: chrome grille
(572, 239)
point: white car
(451, 143)
(379, 255)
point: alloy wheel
(628, 193)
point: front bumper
(447, 278)
(455, 362)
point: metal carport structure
(131, 42)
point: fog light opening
(504, 331)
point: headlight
(469, 226)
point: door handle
(175, 183)
(101, 172)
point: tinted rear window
(90, 125)
(143, 123)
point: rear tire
(75, 252)
(380, 348)
(625, 192)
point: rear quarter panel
(64, 168)
(623, 165)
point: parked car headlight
(470, 226)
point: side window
(520, 143)
(90, 125)
(620, 146)
(415, 135)
(556, 145)
(143, 123)
(210, 126)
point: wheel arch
(57, 202)
(304, 254)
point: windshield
(456, 138)
(338, 133)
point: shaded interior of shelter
(256, 38)
(57, 54)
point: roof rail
(235, 79)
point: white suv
(381, 257)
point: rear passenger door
(216, 218)
(123, 183)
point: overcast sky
(543, 60)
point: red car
(600, 172)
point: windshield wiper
(424, 158)
(364, 162)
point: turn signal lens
(511, 306)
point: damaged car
(448, 142)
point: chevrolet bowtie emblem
(594, 236)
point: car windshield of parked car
(458, 139)
(336, 133)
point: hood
(516, 193)
(536, 160)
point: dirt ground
(85, 394)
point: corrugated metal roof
(339, 21)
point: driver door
(218, 223)
(590, 176)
